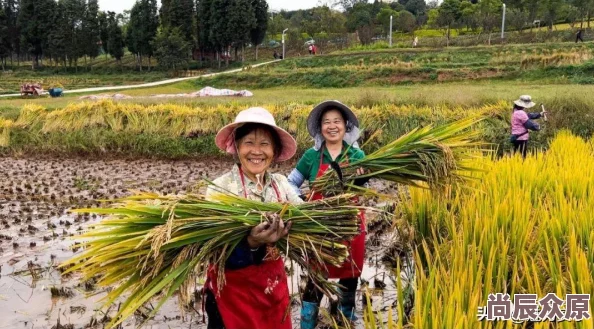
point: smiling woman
(335, 129)
(257, 145)
(255, 269)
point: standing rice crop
(5, 126)
(523, 227)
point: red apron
(254, 297)
(353, 266)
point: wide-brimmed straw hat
(225, 138)
(314, 126)
(313, 120)
(525, 101)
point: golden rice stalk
(432, 155)
(153, 243)
(5, 126)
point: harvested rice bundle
(432, 155)
(152, 244)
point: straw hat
(313, 123)
(225, 138)
(525, 101)
(313, 120)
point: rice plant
(156, 246)
(525, 226)
(5, 126)
(431, 155)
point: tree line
(485, 16)
(371, 19)
(73, 32)
(69, 33)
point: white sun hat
(525, 101)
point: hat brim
(225, 138)
(313, 120)
(523, 104)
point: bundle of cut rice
(156, 246)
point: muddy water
(35, 227)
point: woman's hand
(360, 181)
(268, 232)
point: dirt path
(34, 197)
(146, 85)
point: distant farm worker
(310, 48)
(256, 293)
(521, 123)
(275, 55)
(335, 130)
(578, 36)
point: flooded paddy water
(35, 227)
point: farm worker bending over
(335, 129)
(521, 123)
(256, 293)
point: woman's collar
(238, 173)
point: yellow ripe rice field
(523, 227)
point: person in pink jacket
(521, 123)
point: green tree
(71, 29)
(91, 31)
(348, 5)
(396, 6)
(406, 22)
(383, 17)
(419, 9)
(57, 37)
(448, 15)
(258, 32)
(204, 24)
(573, 15)
(240, 22)
(180, 14)
(532, 7)
(468, 15)
(360, 20)
(516, 19)
(277, 24)
(134, 31)
(490, 15)
(142, 29)
(552, 10)
(432, 4)
(11, 10)
(115, 41)
(34, 20)
(103, 31)
(171, 49)
(4, 38)
(220, 34)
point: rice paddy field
(518, 226)
(545, 63)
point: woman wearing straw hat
(521, 123)
(255, 293)
(335, 129)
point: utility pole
(503, 24)
(285, 30)
(390, 36)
